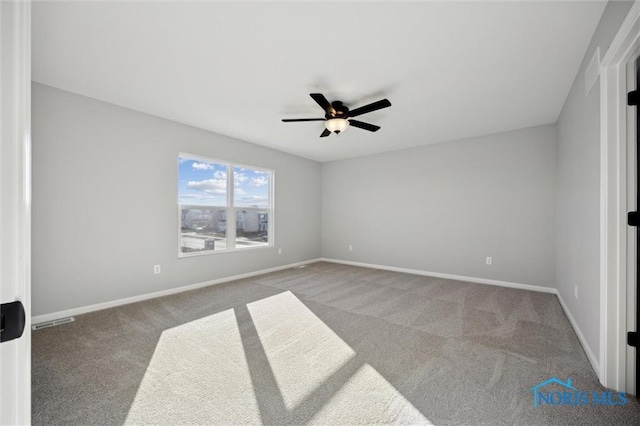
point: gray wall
(578, 217)
(104, 203)
(444, 208)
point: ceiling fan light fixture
(337, 125)
(338, 117)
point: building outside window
(223, 206)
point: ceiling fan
(338, 117)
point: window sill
(207, 253)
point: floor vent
(299, 266)
(52, 323)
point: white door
(15, 200)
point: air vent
(52, 323)
(592, 72)
(299, 266)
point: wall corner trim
(587, 349)
(133, 299)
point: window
(215, 218)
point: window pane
(202, 229)
(252, 228)
(251, 187)
(201, 183)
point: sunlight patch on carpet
(198, 374)
(371, 399)
(303, 351)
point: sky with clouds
(204, 183)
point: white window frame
(230, 207)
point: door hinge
(632, 98)
(632, 339)
(12, 321)
(632, 218)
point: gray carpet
(327, 344)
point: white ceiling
(451, 70)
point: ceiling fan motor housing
(339, 110)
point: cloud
(239, 191)
(239, 178)
(259, 181)
(254, 198)
(202, 166)
(210, 186)
(219, 174)
(194, 198)
(197, 196)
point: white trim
(105, 305)
(622, 44)
(613, 194)
(100, 306)
(587, 349)
(235, 250)
(15, 199)
(446, 276)
(631, 243)
(583, 341)
(230, 208)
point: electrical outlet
(489, 261)
(156, 269)
(575, 291)
(279, 251)
(350, 247)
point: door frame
(15, 203)
(632, 232)
(613, 202)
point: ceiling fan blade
(322, 101)
(290, 120)
(325, 133)
(384, 103)
(365, 126)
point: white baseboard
(100, 306)
(590, 355)
(105, 305)
(587, 349)
(446, 276)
